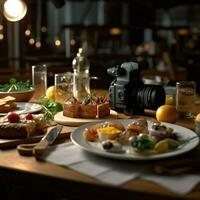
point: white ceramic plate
(68, 121)
(24, 107)
(78, 139)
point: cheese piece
(106, 133)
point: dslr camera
(128, 94)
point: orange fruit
(167, 113)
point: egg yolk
(109, 130)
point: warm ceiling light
(31, 41)
(28, 32)
(72, 42)
(14, 10)
(183, 31)
(43, 29)
(1, 36)
(115, 31)
(38, 44)
(57, 42)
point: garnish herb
(50, 108)
(13, 86)
(142, 143)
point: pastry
(71, 108)
(7, 104)
(14, 126)
(107, 130)
(160, 132)
(137, 126)
(90, 108)
(88, 111)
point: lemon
(197, 118)
(167, 113)
(50, 92)
(169, 100)
(162, 146)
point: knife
(47, 140)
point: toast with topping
(15, 126)
(7, 104)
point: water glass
(39, 80)
(63, 86)
(185, 98)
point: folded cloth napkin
(115, 172)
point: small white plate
(78, 139)
(68, 121)
(25, 107)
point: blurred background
(162, 36)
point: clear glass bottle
(81, 76)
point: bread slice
(7, 104)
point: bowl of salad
(21, 90)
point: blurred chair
(171, 72)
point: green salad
(14, 86)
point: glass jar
(81, 76)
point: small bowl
(21, 96)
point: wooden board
(61, 119)
(12, 143)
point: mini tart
(90, 108)
(108, 133)
(71, 108)
(160, 132)
(136, 127)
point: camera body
(128, 94)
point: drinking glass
(39, 80)
(63, 86)
(185, 98)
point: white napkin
(115, 172)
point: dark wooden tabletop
(28, 174)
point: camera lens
(151, 96)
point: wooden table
(28, 176)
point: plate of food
(134, 139)
(91, 109)
(20, 107)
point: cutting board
(12, 143)
(68, 121)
